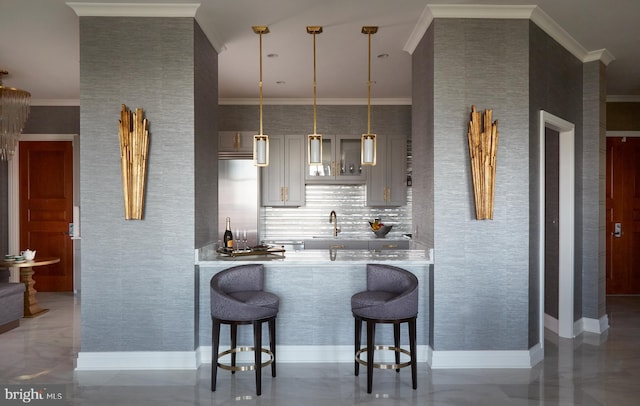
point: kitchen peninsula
(315, 286)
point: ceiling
(40, 45)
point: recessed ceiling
(40, 44)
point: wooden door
(46, 209)
(623, 215)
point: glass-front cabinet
(340, 161)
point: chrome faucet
(333, 218)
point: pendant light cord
(369, 89)
(261, 83)
(314, 82)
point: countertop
(207, 257)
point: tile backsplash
(349, 203)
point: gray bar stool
(237, 297)
(391, 297)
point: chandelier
(14, 109)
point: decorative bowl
(382, 231)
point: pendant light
(14, 110)
(368, 141)
(260, 141)
(314, 141)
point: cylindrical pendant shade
(315, 149)
(368, 153)
(261, 150)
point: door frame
(566, 222)
(13, 186)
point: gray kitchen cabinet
(322, 244)
(382, 244)
(282, 181)
(230, 142)
(387, 180)
(340, 161)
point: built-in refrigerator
(238, 191)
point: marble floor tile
(588, 370)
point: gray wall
(53, 120)
(422, 140)
(138, 282)
(593, 191)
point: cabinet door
(396, 171)
(347, 159)
(323, 171)
(386, 181)
(340, 161)
(294, 172)
(382, 244)
(272, 176)
(282, 181)
(235, 141)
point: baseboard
(487, 359)
(551, 323)
(136, 360)
(163, 360)
(597, 326)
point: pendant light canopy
(314, 141)
(260, 141)
(14, 110)
(368, 141)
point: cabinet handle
(236, 141)
(286, 193)
(281, 194)
(336, 246)
(388, 194)
(390, 246)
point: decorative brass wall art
(483, 145)
(134, 148)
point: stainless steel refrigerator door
(238, 199)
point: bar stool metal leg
(272, 344)
(357, 344)
(215, 341)
(371, 340)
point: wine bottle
(228, 235)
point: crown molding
(83, 9)
(530, 12)
(322, 102)
(421, 27)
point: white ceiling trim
(533, 13)
(322, 102)
(134, 9)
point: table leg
(31, 306)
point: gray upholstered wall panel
(555, 84)
(298, 119)
(422, 139)
(481, 274)
(206, 139)
(593, 191)
(53, 120)
(137, 280)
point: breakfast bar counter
(315, 323)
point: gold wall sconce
(134, 149)
(260, 141)
(483, 146)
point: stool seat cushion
(237, 295)
(392, 293)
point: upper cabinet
(234, 142)
(387, 180)
(282, 181)
(340, 161)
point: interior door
(623, 215)
(46, 209)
